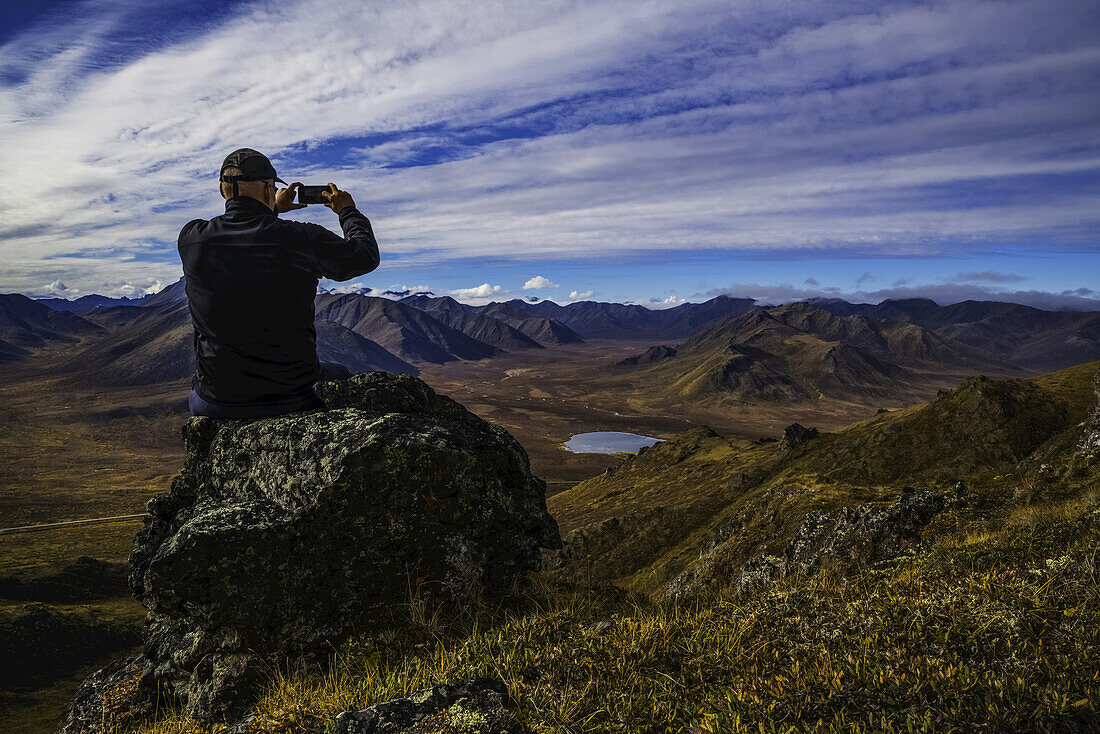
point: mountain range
(26, 323)
(799, 351)
(84, 304)
(1021, 335)
(727, 348)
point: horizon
(648, 154)
(758, 302)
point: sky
(644, 152)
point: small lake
(608, 442)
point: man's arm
(353, 255)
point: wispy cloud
(1078, 299)
(559, 130)
(579, 295)
(987, 276)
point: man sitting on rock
(251, 279)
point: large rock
(281, 534)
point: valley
(543, 399)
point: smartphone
(312, 194)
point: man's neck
(252, 202)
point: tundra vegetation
(930, 569)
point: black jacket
(251, 281)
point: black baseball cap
(254, 166)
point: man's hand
(284, 198)
(337, 199)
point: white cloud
(538, 282)
(481, 291)
(812, 126)
(659, 303)
(57, 288)
(345, 288)
(578, 295)
(136, 289)
(393, 292)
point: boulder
(280, 535)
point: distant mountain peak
(86, 304)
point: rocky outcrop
(845, 539)
(795, 435)
(280, 535)
(474, 707)
(861, 535)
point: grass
(994, 633)
(73, 451)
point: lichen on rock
(282, 534)
(846, 538)
(477, 706)
(109, 699)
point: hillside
(648, 520)
(175, 293)
(799, 352)
(598, 320)
(473, 323)
(404, 331)
(545, 331)
(731, 352)
(1022, 335)
(26, 323)
(337, 343)
(139, 346)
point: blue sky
(649, 152)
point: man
(251, 278)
